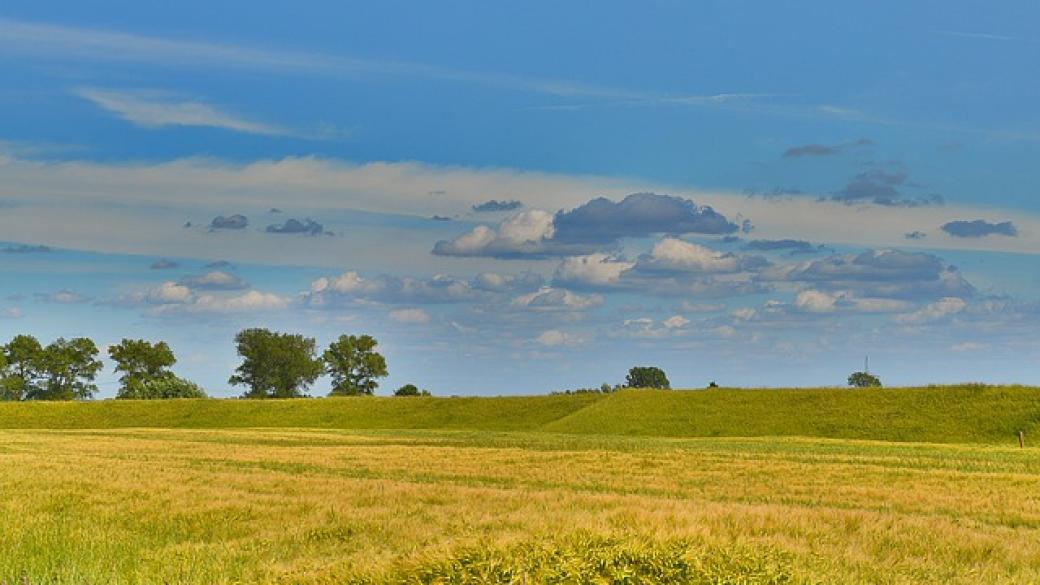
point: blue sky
(748, 192)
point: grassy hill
(948, 414)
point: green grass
(948, 414)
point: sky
(521, 197)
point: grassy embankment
(949, 414)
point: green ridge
(947, 414)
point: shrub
(410, 390)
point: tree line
(274, 365)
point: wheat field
(334, 506)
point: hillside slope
(950, 414)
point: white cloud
(815, 301)
(248, 302)
(416, 316)
(675, 322)
(11, 313)
(63, 297)
(592, 269)
(935, 311)
(169, 292)
(157, 110)
(557, 338)
(679, 255)
(967, 346)
(214, 279)
(555, 299)
(526, 232)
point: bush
(410, 390)
(647, 377)
(160, 388)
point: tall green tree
(647, 377)
(67, 368)
(275, 365)
(354, 364)
(139, 361)
(23, 355)
(864, 380)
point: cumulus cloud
(585, 229)
(555, 299)
(62, 297)
(979, 228)
(411, 316)
(164, 265)
(11, 313)
(351, 286)
(557, 338)
(294, 226)
(214, 280)
(877, 273)
(603, 221)
(494, 205)
(594, 269)
(935, 311)
(528, 233)
(817, 301)
(915, 235)
(248, 302)
(168, 292)
(231, 222)
(675, 255)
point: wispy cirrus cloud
(156, 109)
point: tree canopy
(647, 377)
(67, 369)
(275, 365)
(354, 364)
(864, 380)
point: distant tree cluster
(66, 369)
(284, 365)
(274, 365)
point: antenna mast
(866, 364)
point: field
(637, 487)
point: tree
(68, 368)
(165, 386)
(647, 377)
(23, 355)
(354, 365)
(141, 362)
(410, 390)
(864, 380)
(275, 365)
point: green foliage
(141, 363)
(603, 389)
(864, 380)
(22, 356)
(647, 377)
(354, 365)
(712, 384)
(161, 387)
(585, 558)
(67, 369)
(275, 365)
(411, 390)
